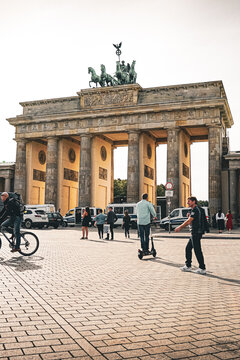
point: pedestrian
(111, 219)
(220, 220)
(100, 221)
(10, 216)
(85, 222)
(229, 221)
(144, 212)
(126, 223)
(197, 219)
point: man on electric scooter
(144, 211)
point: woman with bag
(220, 220)
(126, 223)
(85, 222)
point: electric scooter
(152, 252)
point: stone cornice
(130, 110)
(217, 83)
(48, 101)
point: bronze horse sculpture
(106, 78)
(94, 77)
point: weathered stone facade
(7, 176)
(120, 116)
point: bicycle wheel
(29, 243)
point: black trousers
(111, 230)
(100, 230)
(195, 243)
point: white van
(178, 216)
(74, 216)
(45, 207)
(119, 210)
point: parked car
(178, 216)
(55, 219)
(34, 218)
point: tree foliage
(202, 202)
(160, 190)
(120, 188)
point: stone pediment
(125, 95)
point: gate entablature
(112, 109)
(169, 114)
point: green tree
(202, 202)
(120, 188)
(160, 190)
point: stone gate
(65, 145)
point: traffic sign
(169, 186)
(169, 193)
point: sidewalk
(95, 300)
(213, 234)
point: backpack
(18, 201)
(204, 225)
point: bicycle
(29, 242)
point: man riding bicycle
(11, 211)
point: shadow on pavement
(22, 263)
(176, 265)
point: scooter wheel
(154, 253)
(140, 254)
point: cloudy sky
(47, 46)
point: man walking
(196, 220)
(111, 218)
(144, 211)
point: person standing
(11, 209)
(196, 219)
(111, 219)
(126, 223)
(220, 220)
(229, 221)
(144, 212)
(85, 222)
(100, 221)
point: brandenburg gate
(65, 145)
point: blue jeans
(16, 222)
(144, 231)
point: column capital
(174, 128)
(86, 135)
(133, 131)
(52, 138)
(19, 140)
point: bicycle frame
(7, 238)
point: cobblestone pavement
(94, 299)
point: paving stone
(101, 302)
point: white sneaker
(186, 268)
(200, 271)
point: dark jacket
(111, 217)
(11, 208)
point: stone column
(7, 187)
(51, 184)
(214, 168)
(133, 167)
(173, 164)
(112, 174)
(85, 171)
(233, 186)
(20, 169)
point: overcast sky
(47, 46)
